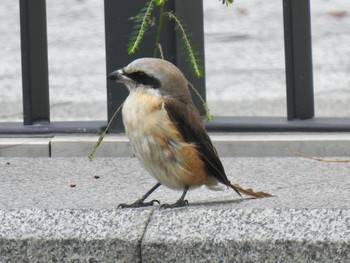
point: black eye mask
(143, 78)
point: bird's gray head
(153, 73)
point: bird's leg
(141, 202)
(180, 202)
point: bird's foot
(138, 203)
(178, 203)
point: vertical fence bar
(118, 28)
(115, 41)
(298, 59)
(192, 14)
(35, 75)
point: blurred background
(244, 53)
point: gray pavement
(44, 219)
(244, 58)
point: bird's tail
(249, 191)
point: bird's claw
(138, 203)
(178, 203)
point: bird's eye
(140, 75)
(142, 78)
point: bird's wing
(188, 121)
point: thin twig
(208, 115)
(160, 51)
(100, 139)
(159, 29)
(319, 158)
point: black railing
(35, 73)
(298, 57)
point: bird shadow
(221, 202)
(214, 203)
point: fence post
(35, 75)
(298, 59)
(192, 14)
(118, 28)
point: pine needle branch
(194, 61)
(141, 26)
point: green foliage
(192, 55)
(227, 2)
(159, 2)
(141, 24)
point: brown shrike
(166, 130)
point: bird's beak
(116, 76)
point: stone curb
(228, 145)
(65, 210)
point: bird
(166, 130)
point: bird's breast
(158, 144)
(142, 111)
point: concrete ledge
(24, 147)
(33, 235)
(228, 145)
(70, 145)
(225, 234)
(64, 210)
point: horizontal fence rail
(298, 67)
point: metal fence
(298, 66)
